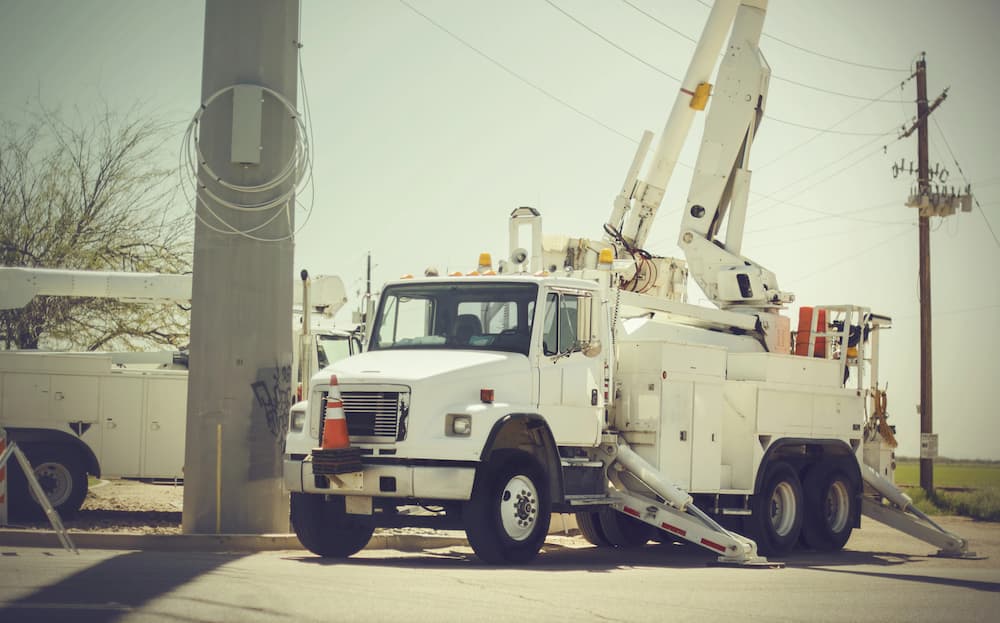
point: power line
(830, 234)
(966, 180)
(773, 75)
(826, 56)
(821, 180)
(830, 129)
(681, 34)
(657, 69)
(827, 215)
(964, 310)
(610, 42)
(852, 256)
(617, 132)
(834, 58)
(514, 74)
(837, 93)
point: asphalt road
(881, 576)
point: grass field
(960, 475)
(969, 488)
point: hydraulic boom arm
(721, 181)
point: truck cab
(463, 376)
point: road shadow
(977, 585)
(577, 557)
(553, 557)
(115, 588)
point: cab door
(568, 381)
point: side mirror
(591, 349)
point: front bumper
(419, 482)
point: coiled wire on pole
(296, 174)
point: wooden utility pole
(937, 201)
(926, 368)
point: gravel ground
(137, 507)
(127, 506)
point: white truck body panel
(132, 420)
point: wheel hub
(782, 509)
(836, 506)
(55, 482)
(519, 507)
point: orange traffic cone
(335, 424)
(335, 456)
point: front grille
(372, 416)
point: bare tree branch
(95, 196)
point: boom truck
(123, 414)
(575, 378)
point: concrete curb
(212, 542)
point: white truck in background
(122, 414)
(575, 378)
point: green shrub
(982, 504)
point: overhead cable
(966, 180)
(516, 75)
(678, 80)
(826, 56)
(773, 75)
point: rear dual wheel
(831, 508)
(610, 528)
(777, 511)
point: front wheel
(325, 528)
(508, 516)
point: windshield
(331, 348)
(478, 316)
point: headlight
(297, 420)
(458, 425)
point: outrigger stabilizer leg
(676, 514)
(885, 503)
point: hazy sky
(424, 141)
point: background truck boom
(120, 414)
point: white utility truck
(575, 378)
(121, 414)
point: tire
(62, 474)
(623, 531)
(831, 506)
(590, 527)
(507, 519)
(324, 527)
(777, 511)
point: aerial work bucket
(804, 334)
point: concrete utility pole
(240, 382)
(930, 202)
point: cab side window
(560, 324)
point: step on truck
(573, 377)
